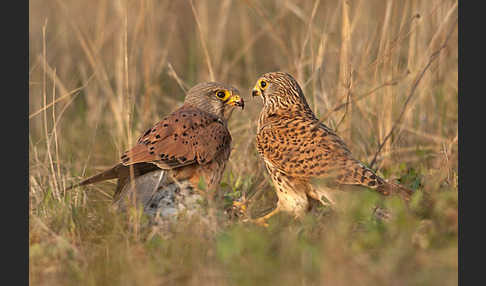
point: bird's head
(279, 90)
(215, 98)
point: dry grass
(382, 73)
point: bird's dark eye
(220, 94)
(263, 84)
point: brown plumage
(297, 147)
(191, 142)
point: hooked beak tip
(241, 104)
(237, 100)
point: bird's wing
(300, 147)
(309, 149)
(215, 140)
(184, 137)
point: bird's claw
(238, 210)
(261, 222)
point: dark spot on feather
(371, 183)
(373, 176)
(362, 179)
(183, 159)
(153, 130)
(165, 125)
(151, 152)
(157, 136)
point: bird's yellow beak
(256, 91)
(236, 100)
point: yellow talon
(240, 205)
(238, 210)
(260, 221)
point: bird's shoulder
(299, 128)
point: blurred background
(101, 72)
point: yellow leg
(263, 219)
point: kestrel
(190, 144)
(296, 147)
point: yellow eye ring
(263, 84)
(222, 94)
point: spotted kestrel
(297, 147)
(191, 143)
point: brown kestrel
(191, 143)
(297, 147)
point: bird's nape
(215, 98)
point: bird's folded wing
(178, 140)
(301, 148)
(214, 140)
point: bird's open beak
(236, 100)
(256, 91)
